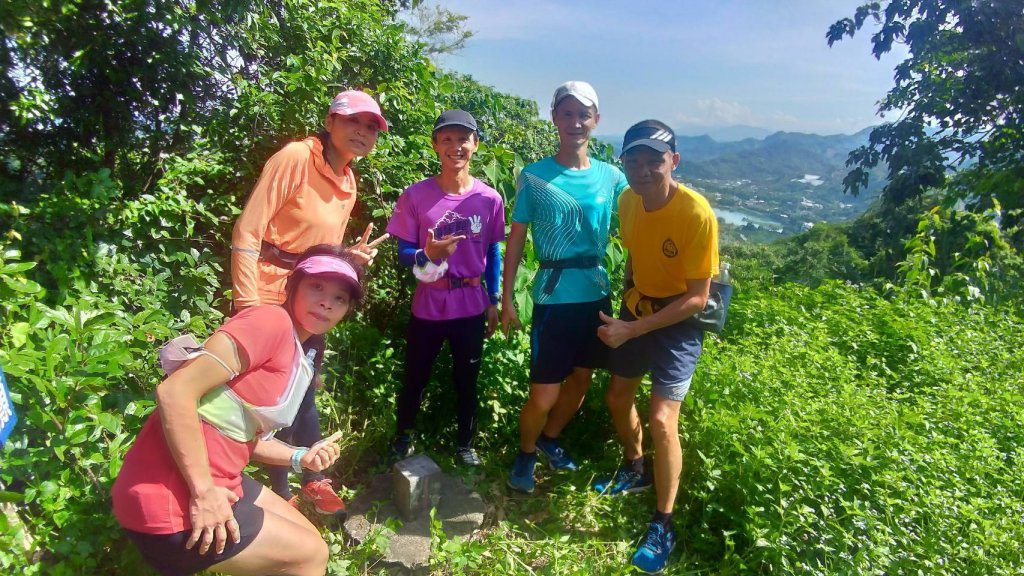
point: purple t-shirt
(478, 214)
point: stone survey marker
(406, 496)
(416, 483)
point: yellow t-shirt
(670, 245)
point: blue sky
(694, 64)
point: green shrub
(840, 432)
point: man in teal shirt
(568, 200)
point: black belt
(558, 265)
(278, 257)
(454, 282)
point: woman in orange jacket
(303, 198)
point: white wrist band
(296, 456)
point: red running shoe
(322, 496)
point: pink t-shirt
(150, 494)
(478, 214)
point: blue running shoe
(625, 481)
(521, 477)
(558, 458)
(652, 554)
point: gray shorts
(670, 354)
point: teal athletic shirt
(569, 212)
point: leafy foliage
(958, 94)
(847, 433)
(89, 84)
(961, 254)
(440, 30)
(834, 429)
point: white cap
(579, 90)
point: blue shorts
(563, 337)
(670, 354)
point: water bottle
(721, 289)
(723, 274)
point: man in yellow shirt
(672, 237)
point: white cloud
(718, 112)
(526, 19)
(715, 112)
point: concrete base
(460, 510)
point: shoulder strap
(183, 348)
(206, 352)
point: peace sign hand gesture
(365, 251)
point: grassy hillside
(831, 431)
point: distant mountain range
(726, 133)
(786, 180)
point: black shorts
(167, 553)
(563, 337)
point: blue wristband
(296, 456)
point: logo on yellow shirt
(668, 248)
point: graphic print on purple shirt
(454, 224)
(478, 214)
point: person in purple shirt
(448, 228)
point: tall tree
(115, 84)
(959, 96)
(440, 30)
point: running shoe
(652, 554)
(558, 458)
(400, 449)
(324, 499)
(625, 481)
(468, 456)
(521, 477)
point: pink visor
(353, 102)
(329, 265)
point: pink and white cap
(326, 265)
(353, 102)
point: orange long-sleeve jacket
(298, 202)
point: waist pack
(277, 256)
(556, 267)
(227, 411)
(710, 319)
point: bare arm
(513, 256)
(177, 399)
(615, 332)
(319, 457)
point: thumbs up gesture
(615, 332)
